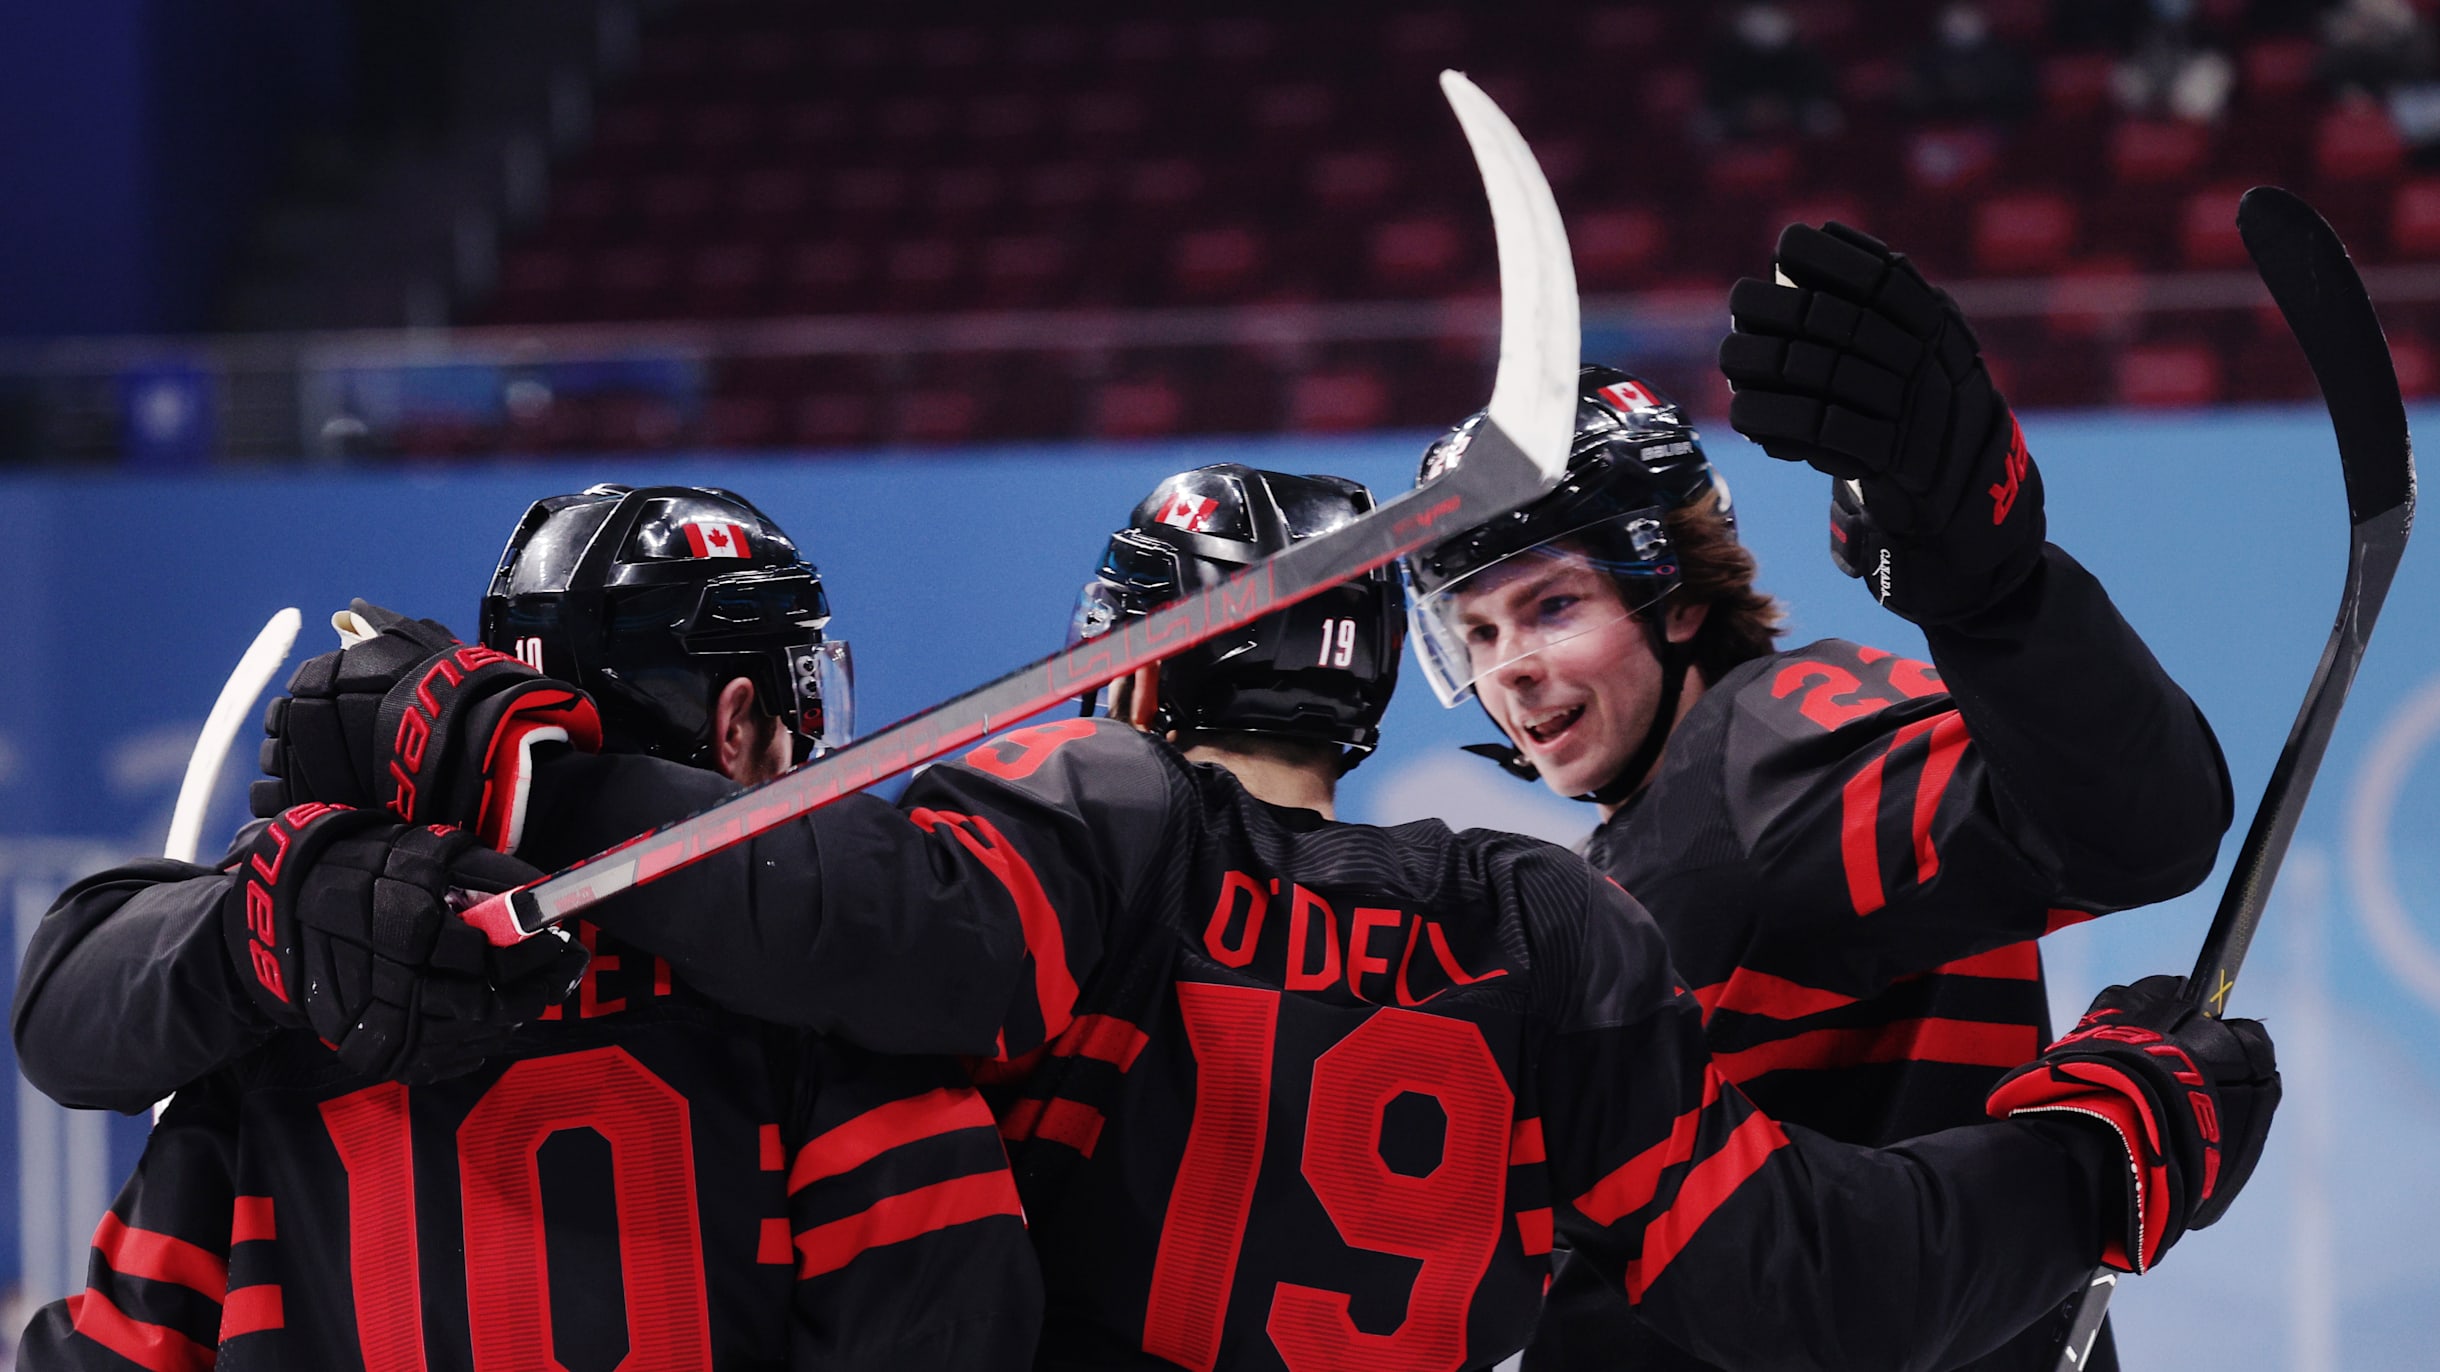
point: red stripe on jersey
(1525, 1144)
(1748, 992)
(1533, 1231)
(2016, 962)
(909, 1215)
(1103, 1038)
(142, 1253)
(1061, 1121)
(1859, 812)
(251, 1219)
(1054, 987)
(2061, 919)
(1634, 1184)
(775, 1246)
(884, 1127)
(1971, 1043)
(1066, 1121)
(253, 1310)
(1707, 1187)
(773, 1153)
(151, 1346)
(1948, 731)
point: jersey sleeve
(157, 1295)
(960, 921)
(126, 992)
(910, 1245)
(1892, 816)
(1704, 1210)
(2089, 742)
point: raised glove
(1857, 366)
(340, 924)
(2189, 1097)
(412, 721)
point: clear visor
(1533, 600)
(824, 675)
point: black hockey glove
(340, 925)
(2189, 1097)
(412, 721)
(1865, 371)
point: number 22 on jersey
(1450, 1218)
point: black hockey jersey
(1851, 854)
(1285, 1093)
(642, 1178)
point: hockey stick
(1519, 453)
(255, 669)
(2317, 290)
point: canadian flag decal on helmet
(1187, 511)
(716, 538)
(1629, 395)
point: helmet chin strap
(1674, 659)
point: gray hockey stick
(1517, 455)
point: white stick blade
(229, 714)
(1533, 397)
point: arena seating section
(767, 160)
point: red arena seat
(1141, 407)
(2168, 376)
(2414, 219)
(1338, 400)
(2146, 152)
(2023, 233)
(2207, 229)
(1616, 248)
(2356, 143)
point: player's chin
(1571, 769)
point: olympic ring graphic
(2390, 758)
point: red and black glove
(340, 924)
(1863, 370)
(2189, 1097)
(414, 722)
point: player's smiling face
(1562, 667)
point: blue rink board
(2220, 536)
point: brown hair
(1714, 569)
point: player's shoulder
(1825, 687)
(1063, 747)
(584, 802)
(1120, 782)
(1597, 957)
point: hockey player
(1288, 1093)
(637, 1175)
(1850, 852)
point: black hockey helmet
(1634, 458)
(654, 598)
(1321, 669)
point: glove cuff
(2101, 1091)
(457, 737)
(259, 918)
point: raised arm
(1849, 361)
